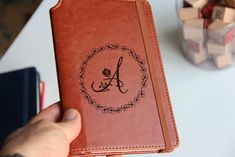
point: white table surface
(203, 101)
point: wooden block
(225, 14)
(195, 3)
(193, 33)
(221, 32)
(230, 3)
(193, 29)
(198, 23)
(221, 3)
(222, 61)
(217, 24)
(189, 13)
(196, 50)
(215, 48)
(199, 57)
(195, 45)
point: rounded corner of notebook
(55, 7)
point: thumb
(71, 124)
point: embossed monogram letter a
(107, 82)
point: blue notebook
(19, 99)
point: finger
(52, 113)
(71, 124)
(12, 136)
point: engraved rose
(107, 72)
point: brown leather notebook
(110, 69)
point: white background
(203, 101)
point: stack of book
(21, 97)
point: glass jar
(209, 44)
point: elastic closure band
(153, 75)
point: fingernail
(70, 114)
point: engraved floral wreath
(130, 104)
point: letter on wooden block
(232, 46)
(225, 14)
(195, 45)
(221, 32)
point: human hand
(44, 136)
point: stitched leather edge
(123, 147)
(150, 17)
(114, 152)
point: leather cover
(109, 68)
